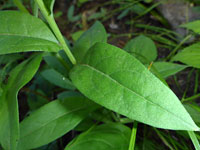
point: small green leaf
(21, 32)
(77, 35)
(56, 64)
(190, 55)
(194, 26)
(167, 69)
(115, 79)
(9, 115)
(142, 47)
(70, 14)
(103, 137)
(53, 120)
(95, 34)
(58, 79)
(49, 5)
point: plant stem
(55, 29)
(20, 6)
(35, 9)
(133, 136)
(194, 140)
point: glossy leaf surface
(142, 48)
(103, 137)
(21, 32)
(190, 55)
(115, 79)
(53, 120)
(167, 69)
(95, 34)
(9, 116)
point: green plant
(112, 82)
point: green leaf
(142, 46)
(70, 14)
(76, 35)
(190, 55)
(95, 34)
(53, 120)
(58, 79)
(115, 79)
(56, 64)
(194, 26)
(194, 111)
(167, 69)
(9, 115)
(103, 137)
(49, 5)
(21, 32)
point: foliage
(93, 89)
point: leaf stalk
(50, 19)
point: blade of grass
(194, 140)
(163, 139)
(178, 46)
(20, 6)
(133, 136)
(191, 98)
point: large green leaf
(194, 26)
(9, 116)
(190, 55)
(53, 120)
(21, 32)
(95, 34)
(103, 137)
(142, 48)
(115, 79)
(167, 69)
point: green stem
(20, 6)
(194, 140)
(35, 9)
(54, 27)
(178, 46)
(133, 136)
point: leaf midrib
(91, 67)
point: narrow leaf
(9, 115)
(103, 137)
(115, 79)
(190, 55)
(53, 120)
(167, 69)
(142, 48)
(95, 34)
(21, 32)
(58, 79)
